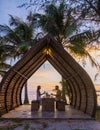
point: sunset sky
(46, 74)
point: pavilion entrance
(81, 86)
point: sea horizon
(32, 93)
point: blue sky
(11, 7)
(43, 74)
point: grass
(11, 124)
(26, 127)
(98, 115)
(9, 127)
(45, 125)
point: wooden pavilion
(82, 88)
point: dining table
(48, 104)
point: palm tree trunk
(26, 100)
(63, 91)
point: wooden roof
(82, 88)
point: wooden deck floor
(24, 111)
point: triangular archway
(82, 88)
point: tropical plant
(66, 89)
(6, 52)
(59, 21)
(19, 35)
(84, 12)
(90, 8)
(56, 22)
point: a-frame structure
(82, 88)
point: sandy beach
(21, 119)
(50, 124)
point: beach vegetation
(98, 115)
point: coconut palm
(62, 25)
(67, 90)
(59, 21)
(20, 35)
(3, 68)
(56, 22)
(6, 52)
(58, 18)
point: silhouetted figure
(39, 99)
(58, 93)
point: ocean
(32, 93)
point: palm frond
(2, 73)
(96, 75)
(93, 61)
(4, 66)
(9, 34)
(88, 37)
(14, 21)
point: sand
(48, 124)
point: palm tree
(3, 68)
(62, 25)
(84, 10)
(20, 35)
(6, 52)
(56, 22)
(59, 21)
(67, 90)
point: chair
(35, 105)
(60, 105)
